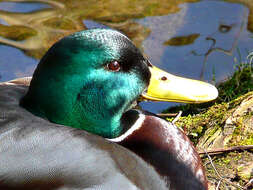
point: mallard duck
(72, 126)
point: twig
(211, 161)
(222, 150)
(167, 114)
(218, 185)
(220, 177)
(250, 57)
(178, 116)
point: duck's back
(37, 154)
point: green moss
(242, 135)
(196, 125)
(226, 160)
(240, 83)
(229, 165)
(213, 120)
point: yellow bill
(167, 87)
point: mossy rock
(235, 127)
(224, 125)
(216, 126)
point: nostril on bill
(164, 78)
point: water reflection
(23, 7)
(46, 26)
(14, 64)
(187, 58)
(249, 4)
(184, 37)
(227, 27)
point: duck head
(88, 80)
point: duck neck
(95, 120)
(165, 148)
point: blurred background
(200, 39)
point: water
(176, 37)
(22, 7)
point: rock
(237, 128)
(223, 126)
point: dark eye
(113, 66)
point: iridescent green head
(88, 80)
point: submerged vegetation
(17, 32)
(182, 40)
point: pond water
(191, 38)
